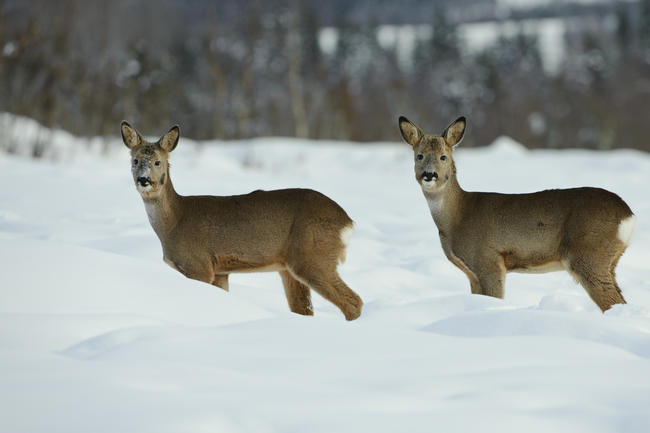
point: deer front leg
(298, 295)
(221, 281)
(471, 276)
(474, 283)
(492, 278)
(475, 286)
(193, 270)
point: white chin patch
(144, 188)
(428, 184)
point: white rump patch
(346, 234)
(626, 229)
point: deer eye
(443, 157)
(135, 162)
(157, 163)
(420, 156)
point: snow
(328, 39)
(98, 334)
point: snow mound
(507, 146)
(581, 326)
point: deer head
(434, 164)
(149, 161)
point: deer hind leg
(615, 259)
(612, 271)
(313, 262)
(598, 280)
(328, 284)
(298, 295)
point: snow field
(98, 334)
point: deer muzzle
(143, 181)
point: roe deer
(300, 233)
(582, 230)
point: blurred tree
(444, 38)
(623, 30)
(295, 52)
(241, 69)
(644, 24)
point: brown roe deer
(299, 233)
(582, 230)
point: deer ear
(455, 132)
(130, 136)
(169, 141)
(410, 133)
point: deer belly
(541, 269)
(226, 263)
(534, 264)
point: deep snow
(97, 334)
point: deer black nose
(427, 175)
(144, 181)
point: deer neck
(446, 205)
(164, 210)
